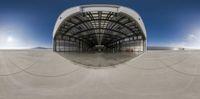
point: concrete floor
(99, 59)
(42, 74)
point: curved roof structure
(99, 7)
(99, 24)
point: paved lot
(99, 60)
(43, 74)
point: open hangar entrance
(99, 28)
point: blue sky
(29, 23)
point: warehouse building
(99, 28)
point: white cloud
(191, 40)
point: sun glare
(9, 39)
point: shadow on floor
(99, 59)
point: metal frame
(99, 27)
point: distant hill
(163, 48)
(40, 48)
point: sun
(9, 39)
